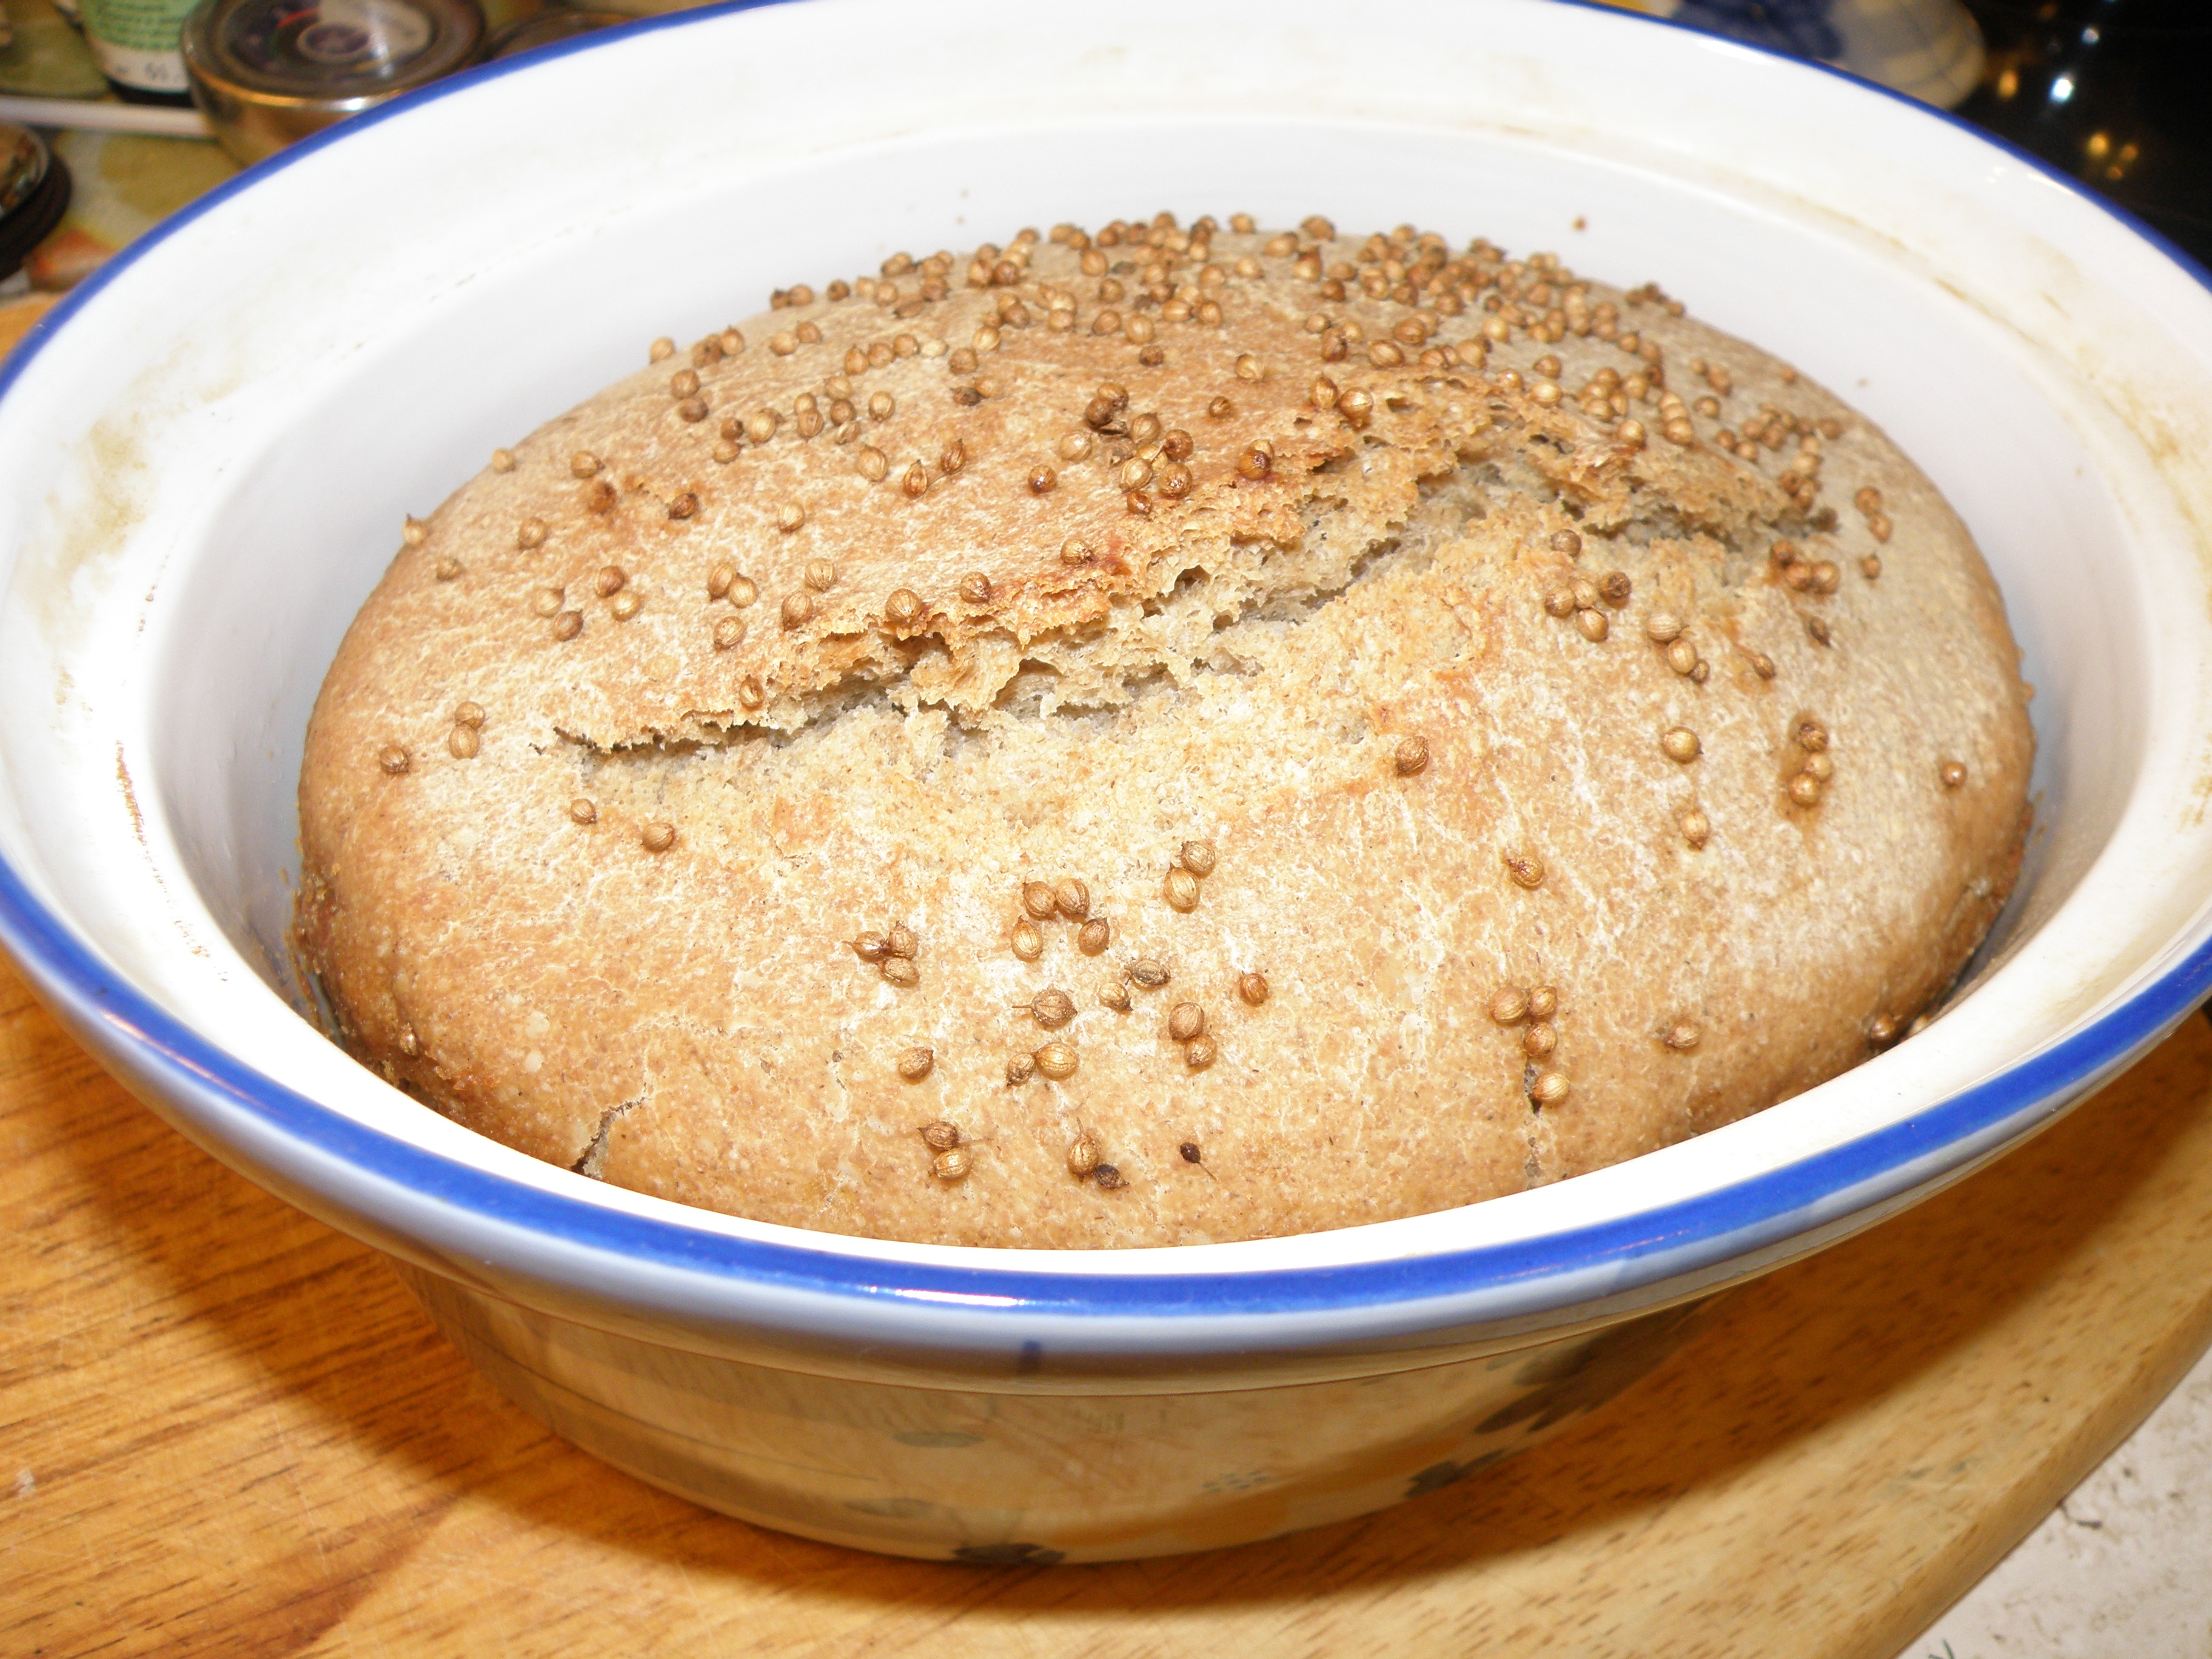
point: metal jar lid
(269, 71)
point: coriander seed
(1180, 890)
(1082, 1155)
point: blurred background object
(271, 71)
(104, 115)
(135, 44)
(2114, 92)
(1926, 49)
(34, 191)
(48, 57)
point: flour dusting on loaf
(1163, 735)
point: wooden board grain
(226, 1429)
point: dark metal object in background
(2118, 92)
(269, 71)
(34, 193)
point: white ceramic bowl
(206, 456)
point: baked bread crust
(1318, 642)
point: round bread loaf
(1175, 736)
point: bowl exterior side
(998, 1478)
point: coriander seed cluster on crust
(1162, 733)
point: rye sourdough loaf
(1162, 735)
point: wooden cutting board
(226, 1429)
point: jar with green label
(135, 43)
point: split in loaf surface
(588, 842)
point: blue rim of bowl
(1620, 1254)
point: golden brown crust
(1334, 664)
